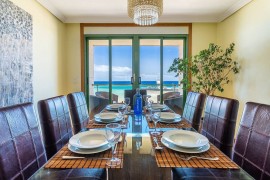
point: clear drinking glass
(146, 99)
(155, 116)
(113, 133)
(127, 102)
(122, 111)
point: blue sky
(122, 62)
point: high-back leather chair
(220, 116)
(105, 95)
(96, 104)
(21, 148)
(193, 109)
(252, 146)
(169, 95)
(78, 111)
(55, 123)
(131, 93)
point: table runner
(182, 124)
(168, 158)
(57, 162)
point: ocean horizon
(129, 82)
(118, 87)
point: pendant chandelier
(145, 12)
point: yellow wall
(73, 60)
(202, 35)
(249, 29)
(49, 52)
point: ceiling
(115, 11)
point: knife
(81, 157)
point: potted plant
(210, 69)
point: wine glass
(113, 133)
(127, 102)
(121, 111)
(146, 98)
(155, 116)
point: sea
(118, 87)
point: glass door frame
(135, 57)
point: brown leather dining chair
(219, 122)
(78, 111)
(193, 109)
(21, 148)
(55, 123)
(105, 95)
(252, 146)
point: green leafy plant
(210, 69)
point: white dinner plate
(159, 106)
(113, 106)
(108, 121)
(185, 139)
(89, 139)
(167, 121)
(107, 117)
(88, 151)
(185, 150)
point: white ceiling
(115, 11)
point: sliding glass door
(119, 62)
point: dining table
(141, 160)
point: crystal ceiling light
(145, 12)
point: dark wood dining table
(139, 161)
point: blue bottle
(137, 102)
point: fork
(198, 157)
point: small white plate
(185, 150)
(113, 106)
(185, 139)
(88, 151)
(89, 139)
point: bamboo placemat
(168, 158)
(182, 124)
(57, 162)
(95, 125)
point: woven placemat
(168, 158)
(95, 125)
(182, 124)
(57, 162)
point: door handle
(133, 79)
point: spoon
(157, 147)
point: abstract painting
(16, 66)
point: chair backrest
(252, 146)
(105, 95)
(169, 95)
(96, 104)
(55, 123)
(193, 109)
(220, 116)
(78, 111)
(21, 148)
(131, 93)
(175, 104)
